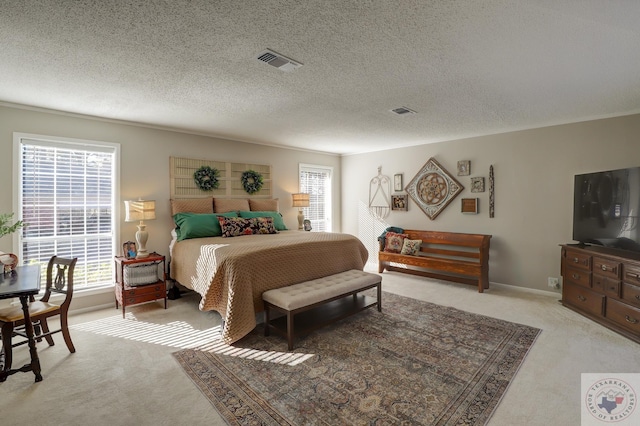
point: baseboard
(527, 290)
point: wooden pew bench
(313, 304)
(450, 256)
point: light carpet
(414, 363)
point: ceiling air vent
(277, 60)
(403, 111)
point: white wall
(534, 172)
(145, 156)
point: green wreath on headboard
(206, 178)
(251, 181)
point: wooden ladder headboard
(183, 185)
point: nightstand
(140, 280)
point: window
(67, 200)
(316, 181)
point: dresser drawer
(578, 276)
(577, 259)
(631, 294)
(583, 299)
(609, 286)
(606, 267)
(624, 315)
(631, 274)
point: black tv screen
(605, 208)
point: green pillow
(277, 218)
(199, 225)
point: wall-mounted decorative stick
(492, 198)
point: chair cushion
(14, 313)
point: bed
(231, 273)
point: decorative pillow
(410, 247)
(393, 242)
(235, 226)
(221, 205)
(277, 217)
(264, 205)
(263, 225)
(198, 225)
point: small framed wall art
(397, 182)
(477, 184)
(399, 202)
(470, 205)
(464, 168)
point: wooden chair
(12, 319)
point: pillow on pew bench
(411, 247)
(393, 242)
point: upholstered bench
(316, 303)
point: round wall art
(433, 188)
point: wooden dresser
(604, 285)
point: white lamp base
(141, 237)
(300, 220)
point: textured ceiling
(467, 67)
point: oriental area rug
(414, 363)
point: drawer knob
(576, 260)
(604, 267)
(576, 276)
(582, 298)
(631, 320)
(637, 296)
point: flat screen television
(606, 207)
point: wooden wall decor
(183, 185)
(469, 206)
(491, 193)
(433, 188)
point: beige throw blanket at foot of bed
(232, 273)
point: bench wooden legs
(312, 317)
(267, 320)
(290, 323)
(290, 329)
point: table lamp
(300, 200)
(140, 210)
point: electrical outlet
(553, 282)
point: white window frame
(67, 143)
(303, 167)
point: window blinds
(67, 201)
(316, 181)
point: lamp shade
(300, 200)
(139, 210)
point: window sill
(77, 294)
